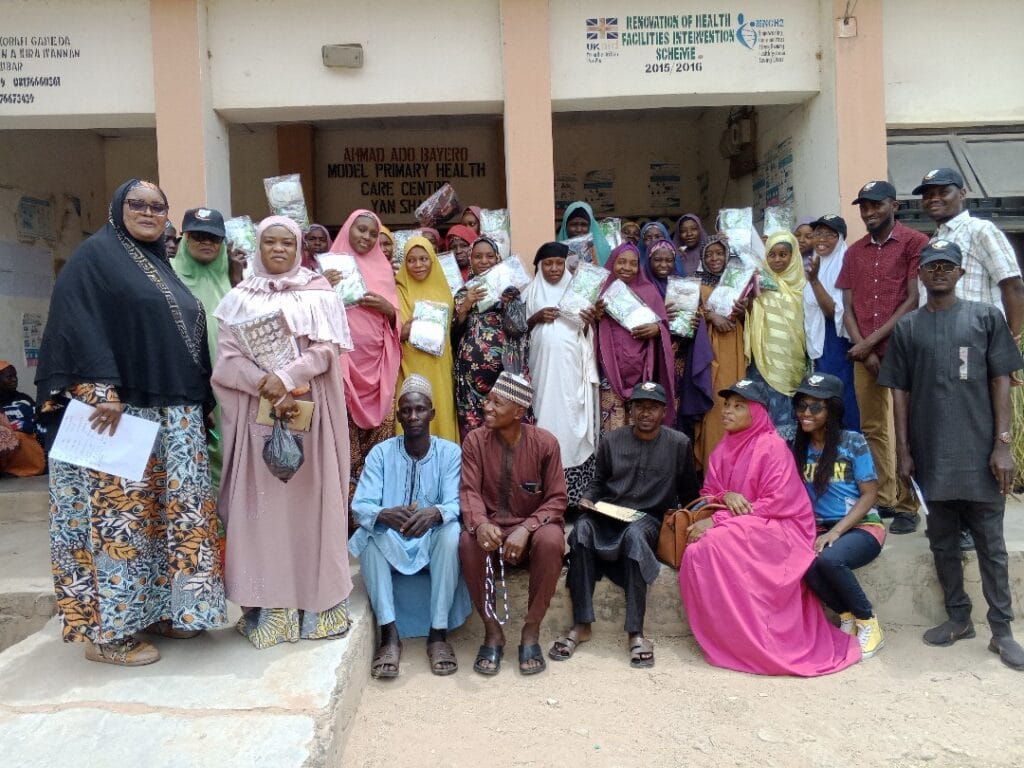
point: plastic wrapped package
(778, 218)
(439, 207)
(626, 308)
(504, 243)
(581, 250)
(495, 220)
(285, 198)
(352, 286)
(683, 293)
(267, 340)
(583, 290)
(734, 284)
(612, 231)
(429, 328)
(504, 274)
(400, 237)
(452, 273)
(240, 232)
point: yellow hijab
(774, 335)
(437, 370)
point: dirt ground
(911, 705)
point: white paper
(125, 454)
(919, 494)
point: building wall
(951, 64)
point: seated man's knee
(547, 541)
(448, 536)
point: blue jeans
(780, 406)
(831, 574)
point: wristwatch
(1005, 437)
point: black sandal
(529, 653)
(386, 656)
(490, 653)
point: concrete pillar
(192, 140)
(529, 152)
(860, 105)
(296, 153)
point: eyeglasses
(204, 237)
(141, 206)
(826, 234)
(939, 267)
(813, 408)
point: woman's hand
(826, 539)
(237, 262)
(271, 387)
(509, 295)
(287, 409)
(333, 276)
(106, 417)
(546, 315)
(404, 335)
(378, 303)
(813, 267)
(590, 316)
(698, 529)
(646, 331)
(473, 295)
(737, 504)
(721, 324)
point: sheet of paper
(920, 495)
(125, 454)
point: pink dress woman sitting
(741, 577)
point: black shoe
(904, 522)
(948, 632)
(1009, 650)
(887, 513)
(966, 541)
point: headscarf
(484, 239)
(546, 251)
(774, 334)
(691, 256)
(601, 247)
(308, 259)
(661, 283)
(479, 213)
(152, 346)
(437, 235)
(372, 371)
(462, 231)
(814, 319)
(383, 231)
(662, 235)
(625, 359)
(433, 288)
(629, 223)
(310, 306)
(208, 282)
(706, 276)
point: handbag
(672, 537)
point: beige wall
(953, 64)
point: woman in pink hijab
(371, 372)
(742, 573)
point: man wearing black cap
(646, 467)
(991, 272)
(879, 284)
(949, 367)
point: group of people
(439, 471)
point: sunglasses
(141, 206)
(813, 408)
(204, 237)
(939, 267)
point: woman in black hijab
(125, 335)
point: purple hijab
(626, 361)
(691, 256)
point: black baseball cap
(820, 385)
(875, 191)
(203, 220)
(940, 177)
(832, 221)
(748, 389)
(941, 250)
(648, 390)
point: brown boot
(166, 629)
(126, 653)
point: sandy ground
(911, 705)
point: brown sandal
(442, 658)
(563, 648)
(129, 652)
(641, 653)
(166, 629)
(386, 656)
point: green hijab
(208, 282)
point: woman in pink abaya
(741, 577)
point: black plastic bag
(282, 451)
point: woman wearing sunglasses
(839, 475)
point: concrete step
(24, 498)
(212, 701)
(26, 586)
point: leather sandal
(129, 652)
(528, 653)
(563, 648)
(442, 658)
(641, 653)
(386, 656)
(490, 653)
(167, 629)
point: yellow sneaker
(848, 623)
(869, 634)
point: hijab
(626, 361)
(691, 256)
(374, 265)
(120, 315)
(662, 235)
(462, 231)
(310, 306)
(706, 276)
(774, 335)
(479, 213)
(208, 282)
(661, 283)
(432, 288)
(308, 259)
(814, 319)
(601, 247)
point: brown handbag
(672, 538)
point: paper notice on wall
(773, 181)
(567, 191)
(32, 337)
(124, 454)
(35, 219)
(599, 190)
(663, 187)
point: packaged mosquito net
(612, 231)
(494, 220)
(504, 274)
(683, 293)
(626, 308)
(735, 282)
(581, 251)
(778, 218)
(452, 273)
(352, 286)
(240, 233)
(439, 207)
(285, 198)
(429, 328)
(583, 290)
